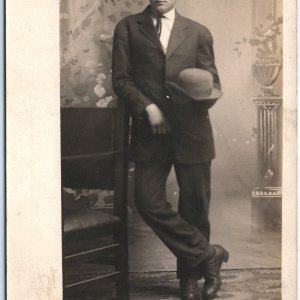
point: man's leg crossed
(182, 238)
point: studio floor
(250, 284)
(253, 271)
(262, 284)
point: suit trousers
(186, 232)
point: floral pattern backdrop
(86, 29)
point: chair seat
(83, 223)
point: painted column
(267, 196)
(267, 41)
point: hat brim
(215, 93)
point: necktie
(158, 23)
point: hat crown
(197, 84)
(196, 81)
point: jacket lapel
(147, 29)
(178, 34)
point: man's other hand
(157, 120)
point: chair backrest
(93, 141)
(87, 130)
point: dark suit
(141, 71)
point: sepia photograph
(200, 99)
(173, 148)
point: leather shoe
(189, 289)
(211, 271)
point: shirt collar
(170, 15)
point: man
(152, 49)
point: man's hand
(157, 120)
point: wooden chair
(93, 147)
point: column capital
(268, 103)
(267, 192)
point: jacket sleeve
(122, 73)
(206, 59)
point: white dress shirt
(166, 28)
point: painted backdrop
(86, 42)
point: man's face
(162, 6)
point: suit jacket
(140, 72)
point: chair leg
(122, 286)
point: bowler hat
(197, 84)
